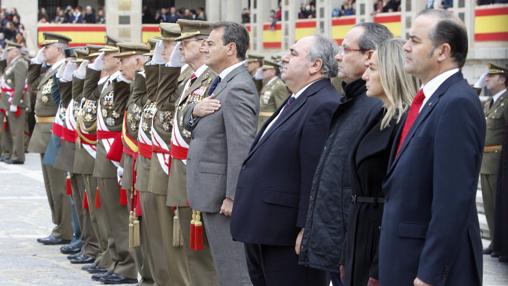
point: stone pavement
(25, 216)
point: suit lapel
(224, 82)
(427, 109)
(295, 106)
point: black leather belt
(367, 200)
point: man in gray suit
(223, 127)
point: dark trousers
(278, 266)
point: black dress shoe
(117, 279)
(503, 259)
(14, 162)
(487, 251)
(73, 256)
(93, 269)
(82, 259)
(51, 240)
(98, 276)
(494, 254)
(70, 249)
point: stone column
(27, 9)
(213, 10)
(123, 19)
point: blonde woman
(386, 80)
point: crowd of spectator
(71, 15)
(171, 15)
(10, 27)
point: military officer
(167, 256)
(199, 259)
(496, 115)
(59, 153)
(46, 103)
(254, 63)
(273, 94)
(96, 78)
(137, 100)
(110, 111)
(5, 136)
(14, 90)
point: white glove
(81, 71)
(176, 60)
(70, 67)
(259, 74)
(39, 58)
(157, 58)
(4, 55)
(98, 63)
(481, 81)
(119, 174)
(13, 108)
(61, 69)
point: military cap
(93, 50)
(151, 43)
(493, 69)
(192, 28)
(131, 49)
(170, 31)
(82, 53)
(110, 41)
(11, 45)
(52, 38)
(70, 53)
(255, 58)
(277, 59)
(109, 50)
(270, 65)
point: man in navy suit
(430, 233)
(273, 187)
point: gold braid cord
(91, 128)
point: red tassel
(97, 198)
(6, 126)
(123, 197)
(198, 243)
(68, 186)
(139, 212)
(85, 201)
(116, 151)
(18, 112)
(192, 240)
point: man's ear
(444, 52)
(231, 49)
(316, 66)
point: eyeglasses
(345, 50)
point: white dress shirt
(295, 96)
(430, 87)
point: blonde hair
(399, 86)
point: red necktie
(411, 116)
(193, 78)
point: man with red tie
(430, 233)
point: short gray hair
(325, 49)
(373, 35)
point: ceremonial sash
(162, 150)
(111, 140)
